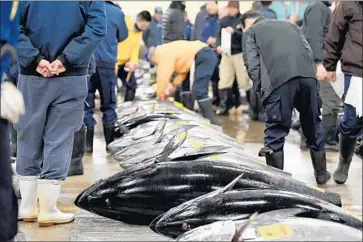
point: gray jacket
(149, 36)
(315, 27)
(199, 23)
(173, 25)
(274, 52)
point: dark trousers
(8, 202)
(299, 93)
(350, 126)
(205, 63)
(104, 80)
(122, 74)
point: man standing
(344, 42)
(53, 60)
(280, 63)
(105, 79)
(152, 36)
(266, 11)
(173, 22)
(128, 52)
(231, 65)
(316, 22)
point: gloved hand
(11, 103)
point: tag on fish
(274, 231)
(196, 144)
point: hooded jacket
(315, 27)
(345, 39)
(173, 22)
(72, 42)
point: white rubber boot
(28, 210)
(49, 214)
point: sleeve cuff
(38, 59)
(62, 58)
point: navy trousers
(54, 112)
(122, 74)
(299, 93)
(103, 80)
(350, 126)
(8, 201)
(205, 64)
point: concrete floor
(90, 227)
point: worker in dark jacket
(152, 36)
(188, 27)
(266, 11)
(231, 63)
(280, 63)
(105, 80)
(53, 60)
(316, 22)
(173, 22)
(199, 22)
(344, 42)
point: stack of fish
(182, 174)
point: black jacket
(173, 23)
(235, 23)
(315, 27)
(274, 52)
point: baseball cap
(158, 10)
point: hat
(233, 4)
(158, 10)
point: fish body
(141, 193)
(240, 204)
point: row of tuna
(188, 181)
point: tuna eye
(108, 203)
(185, 227)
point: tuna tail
(171, 147)
(237, 235)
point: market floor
(101, 164)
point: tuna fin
(237, 235)
(171, 147)
(231, 184)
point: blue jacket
(117, 31)
(68, 31)
(153, 35)
(267, 13)
(9, 32)
(210, 27)
(188, 30)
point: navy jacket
(68, 31)
(117, 31)
(198, 24)
(188, 30)
(210, 27)
(153, 35)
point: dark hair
(145, 16)
(249, 14)
(177, 5)
(299, 22)
(266, 3)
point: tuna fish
(224, 204)
(278, 225)
(143, 192)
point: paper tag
(315, 188)
(196, 144)
(215, 157)
(274, 231)
(181, 136)
(259, 162)
(354, 215)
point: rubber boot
(206, 108)
(108, 133)
(215, 100)
(79, 145)
(329, 123)
(14, 139)
(129, 94)
(187, 99)
(49, 214)
(224, 101)
(177, 96)
(28, 209)
(276, 159)
(89, 139)
(303, 145)
(318, 159)
(347, 147)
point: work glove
(11, 103)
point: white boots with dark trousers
(47, 191)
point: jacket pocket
(273, 109)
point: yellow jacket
(176, 56)
(128, 50)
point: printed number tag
(274, 231)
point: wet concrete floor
(101, 164)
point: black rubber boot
(224, 103)
(215, 99)
(329, 123)
(108, 133)
(89, 139)
(187, 99)
(177, 96)
(79, 144)
(276, 159)
(14, 139)
(129, 95)
(206, 108)
(318, 159)
(347, 147)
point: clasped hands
(47, 69)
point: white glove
(11, 103)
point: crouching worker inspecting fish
(179, 57)
(280, 62)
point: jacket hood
(177, 5)
(327, 3)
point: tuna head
(190, 214)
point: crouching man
(280, 63)
(179, 56)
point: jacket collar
(327, 3)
